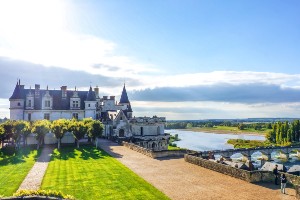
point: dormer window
(75, 104)
(47, 103)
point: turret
(17, 102)
(90, 104)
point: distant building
(35, 104)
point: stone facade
(117, 117)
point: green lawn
(88, 173)
(14, 168)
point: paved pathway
(34, 178)
(181, 180)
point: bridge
(247, 152)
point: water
(200, 141)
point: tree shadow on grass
(85, 152)
(10, 156)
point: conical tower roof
(124, 97)
(91, 95)
(17, 94)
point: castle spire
(124, 97)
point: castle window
(19, 104)
(47, 103)
(29, 116)
(89, 105)
(142, 131)
(75, 115)
(75, 104)
(47, 116)
(29, 104)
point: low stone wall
(139, 149)
(157, 154)
(249, 176)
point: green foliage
(40, 128)
(59, 128)
(90, 173)
(284, 133)
(48, 193)
(240, 143)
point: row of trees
(210, 124)
(284, 133)
(16, 130)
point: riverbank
(226, 130)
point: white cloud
(35, 31)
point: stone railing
(139, 149)
(249, 176)
(157, 154)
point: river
(200, 141)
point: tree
(40, 128)
(2, 136)
(79, 129)
(241, 126)
(88, 123)
(96, 130)
(8, 129)
(59, 128)
(21, 129)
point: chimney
(37, 91)
(104, 97)
(63, 91)
(112, 97)
(96, 90)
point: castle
(35, 104)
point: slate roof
(59, 103)
(91, 96)
(124, 97)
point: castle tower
(17, 103)
(90, 104)
(125, 103)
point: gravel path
(181, 180)
(34, 178)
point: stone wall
(156, 154)
(139, 149)
(249, 176)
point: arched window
(121, 133)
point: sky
(179, 59)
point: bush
(8, 151)
(48, 193)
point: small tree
(96, 131)
(59, 128)
(2, 136)
(8, 129)
(40, 128)
(79, 129)
(88, 122)
(21, 129)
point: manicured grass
(14, 168)
(88, 173)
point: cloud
(31, 32)
(242, 93)
(54, 77)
